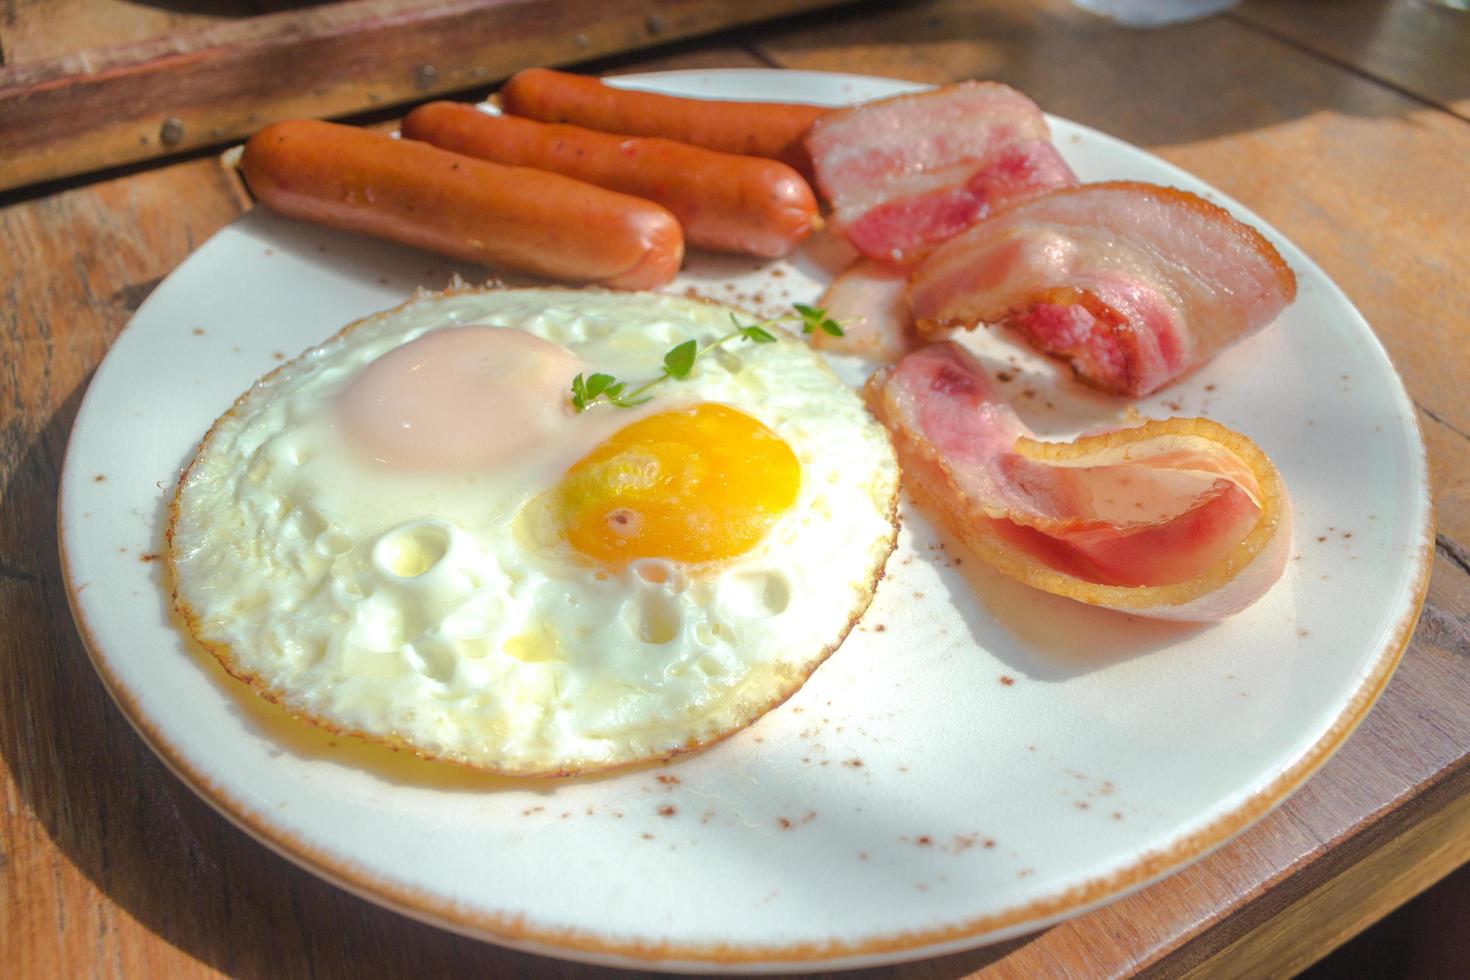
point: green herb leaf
(597, 384)
(811, 317)
(755, 333)
(680, 361)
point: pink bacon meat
(1134, 284)
(1174, 519)
(906, 173)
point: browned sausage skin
(725, 202)
(758, 129)
(420, 195)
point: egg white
(442, 613)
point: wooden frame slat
(149, 99)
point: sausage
(758, 129)
(725, 202)
(420, 195)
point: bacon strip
(1174, 519)
(904, 174)
(1134, 284)
(868, 299)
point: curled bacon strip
(1134, 284)
(905, 173)
(1175, 519)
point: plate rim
(511, 929)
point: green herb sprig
(679, 361)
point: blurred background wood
(1335, 131)
(91, 85)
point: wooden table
(1347, 127)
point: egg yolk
(692, 485)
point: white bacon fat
(868, 299)
(1175, 519)
(904, 174)
(1134, 284)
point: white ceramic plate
(976, 761)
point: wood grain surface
(173, 92)
(110, 866)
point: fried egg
(408, 533)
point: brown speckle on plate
(667, 810)
(1007, 680)
(145, 558)
(99, 478)
(199, 331)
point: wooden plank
(1415, 45)
(131, 102)
(1449, 471)
(82, 797)
(35, 30)
(1295, 937)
